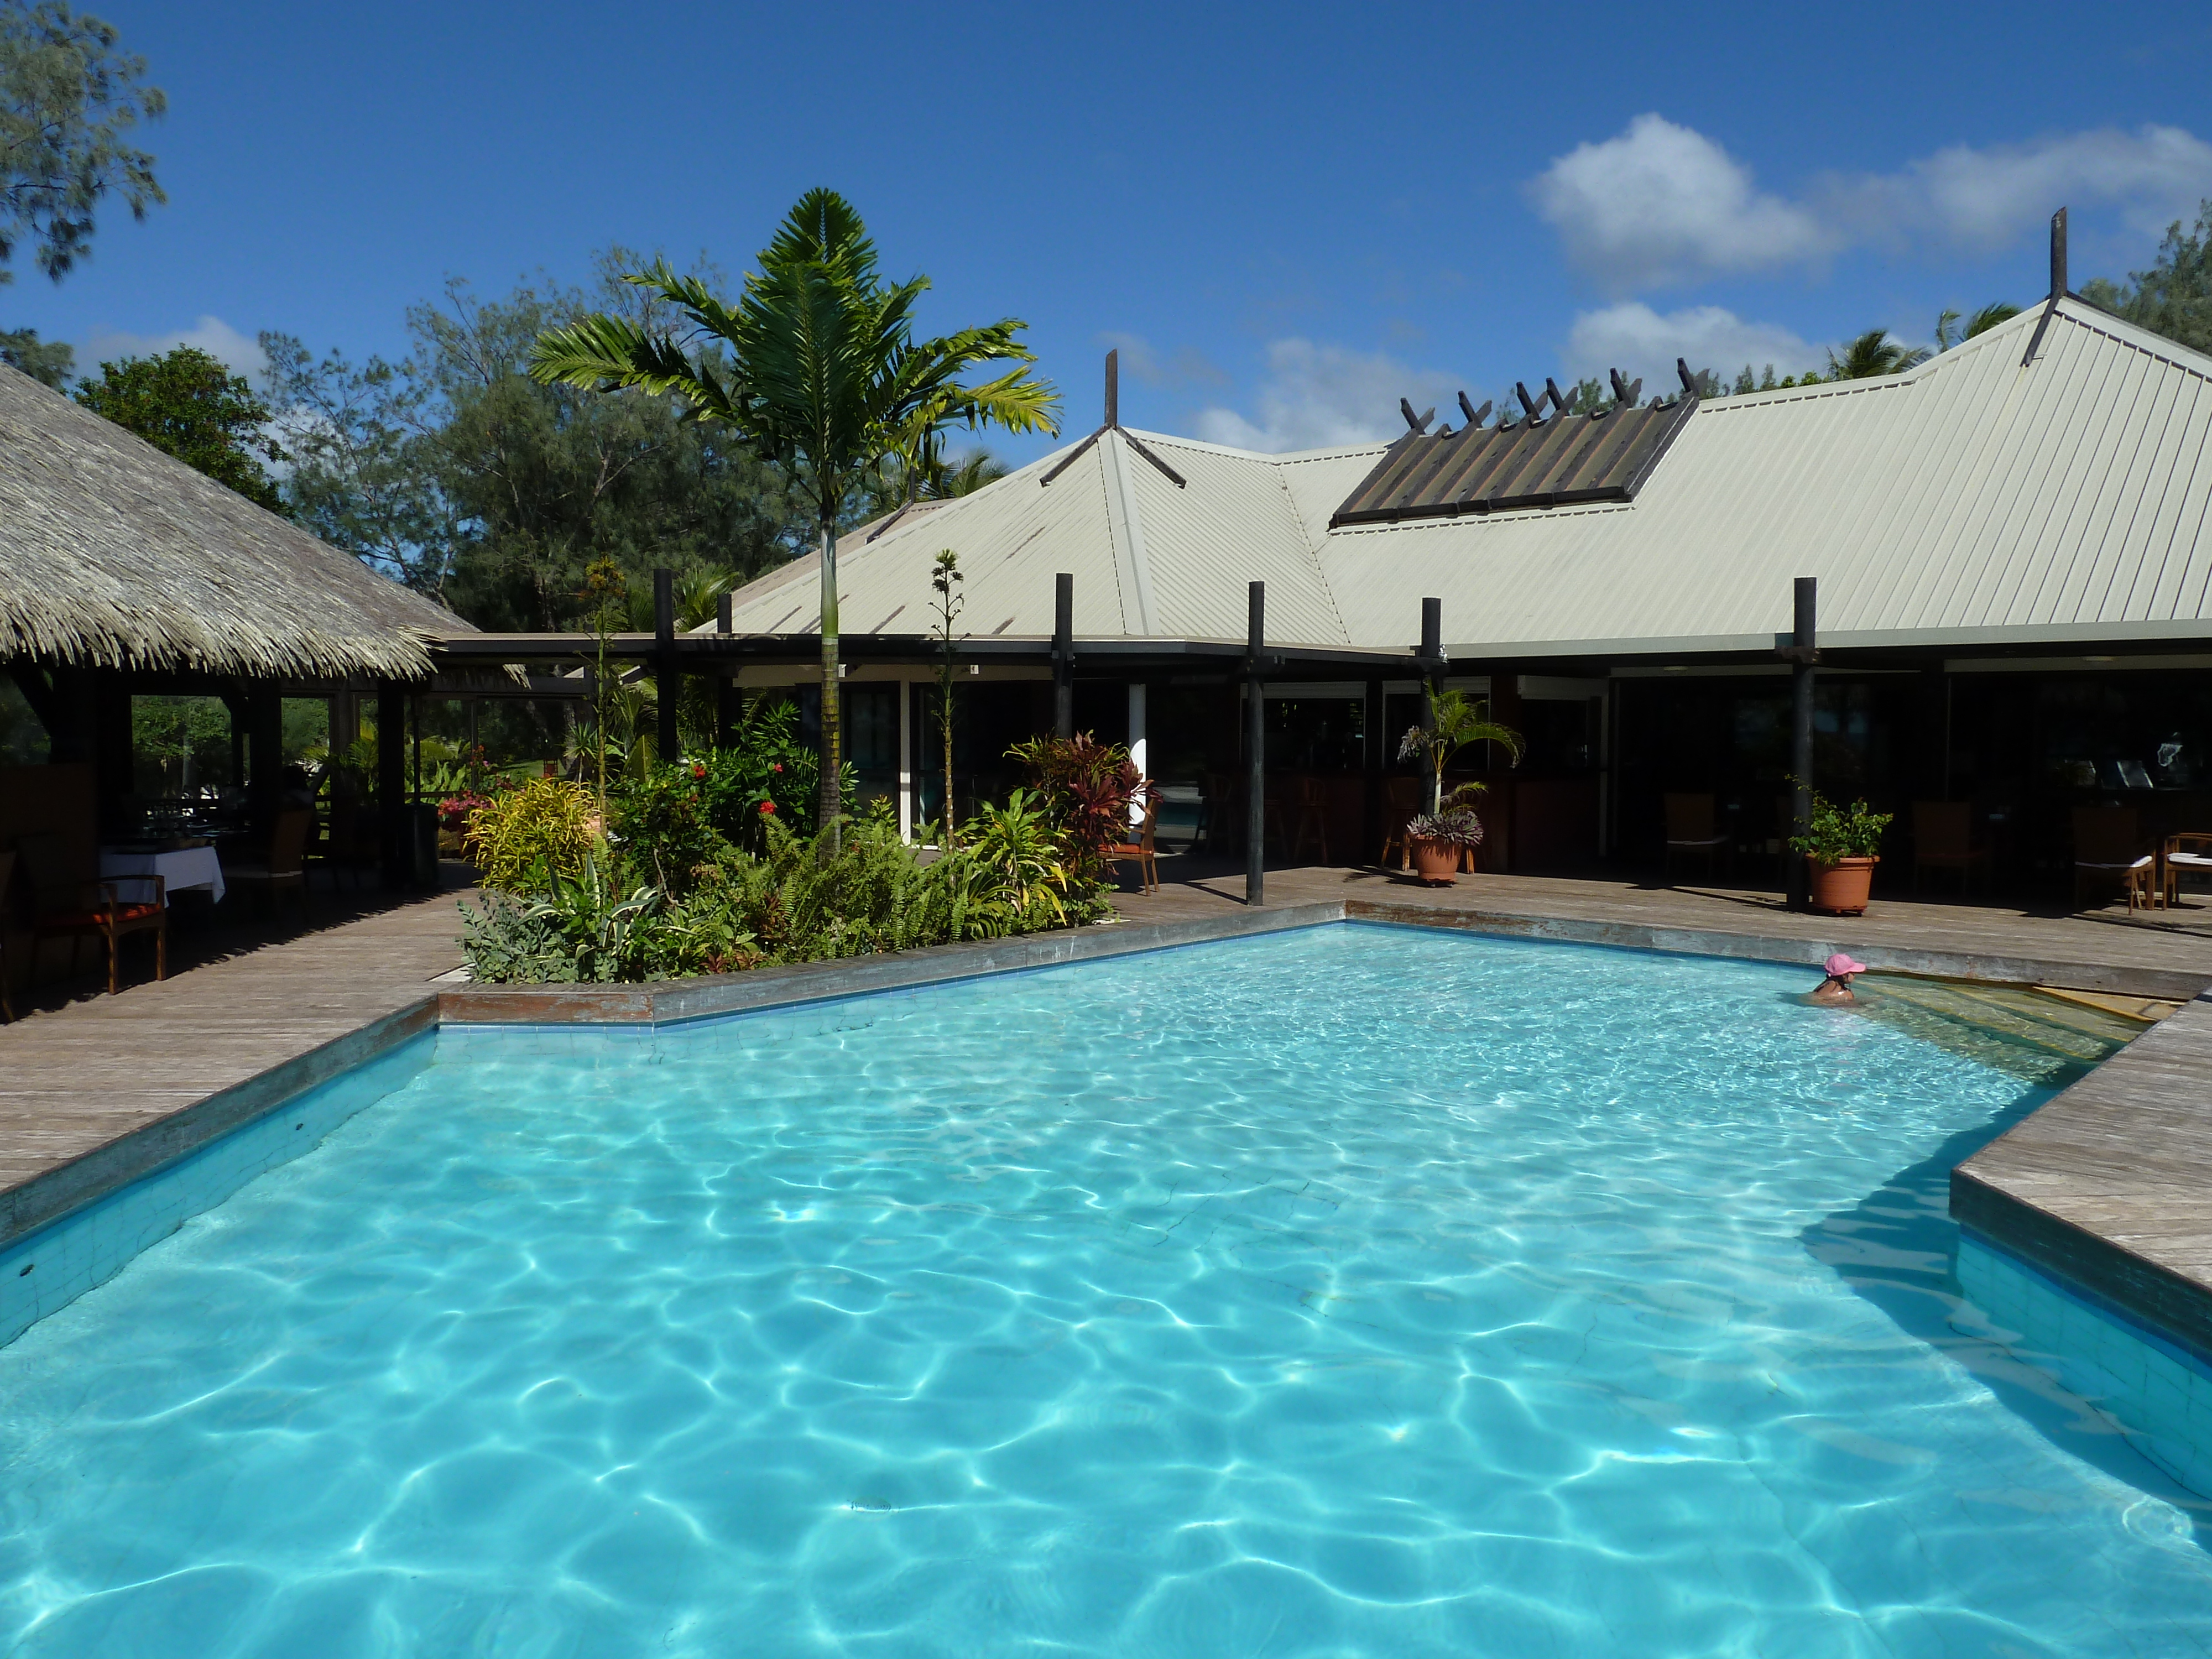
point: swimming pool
(1350, 1291)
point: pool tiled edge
(2105, 1187)
(49, 1266)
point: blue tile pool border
(53, 1265)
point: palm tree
(1873, 353)
(817, 369)
(1949, 333)
(1455, 720)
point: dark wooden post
(725, 682)
(668, 685)
(265, 755)
(1375, 754)
(1433, 668)
(392, 782)
(1063, 655)
(1802, 658)
(1255, 747)
(1501, 846)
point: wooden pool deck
(107, 1086)
(2106, 1185)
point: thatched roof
(113, 553)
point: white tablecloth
(192, 866)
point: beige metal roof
(1150, 560)
(1974, 500)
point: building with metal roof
(1992, 497)
(2012, 545)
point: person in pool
(1837, 987)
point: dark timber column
(725, 685)
(392, 782)
(1373, 758)
(1063, 655)
(1432, 669)
(1802, 658)
(1256, 748)
(668, 685)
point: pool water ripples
(1356, 1291)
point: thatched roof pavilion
(114, 555)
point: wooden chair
(342, 845)
(2108, 850)
(1142, 852)
(1691, 833)
(1942, 835)
(284, 867)
(1401, 802)
(1313, 818)
(68, 905)
(2188, 853)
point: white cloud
(1316, 395)
(239, 352)
(1143, 361)
(1643, 343)
(1664, 204)
(1661, 203)
(1987, 198)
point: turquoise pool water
(1357, 1291)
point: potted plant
(1441, 841)
(1841, 850)
(1439, 836)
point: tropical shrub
(763, 772)
(524, 837)
(1086, 789)
(790, 904)
(1016, 847)
(658, 820)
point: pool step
(1973, 1017)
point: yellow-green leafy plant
(524, 838)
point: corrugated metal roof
(1150, 560)
(1972, 500)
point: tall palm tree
(1873, 353)
(818, 368)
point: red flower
(767, 807)
(698, 769)
(776, 766)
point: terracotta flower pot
(1841, 888)
(1437, 862)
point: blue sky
(1286, 215)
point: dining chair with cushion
(282, 869)
(1143, 852)
(2109, 851)
(66, 903)
(2189, 853)
(1942, 838)
(1693, 832)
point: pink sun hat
(1840, 966)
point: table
(188, 867)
